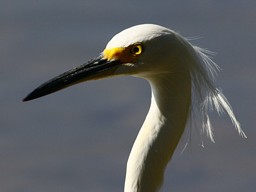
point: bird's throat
(159, 135)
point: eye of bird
(136, 49)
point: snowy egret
(181, 78)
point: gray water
(79, 139)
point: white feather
(206, 96)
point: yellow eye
(136, 49)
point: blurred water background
(79, 139)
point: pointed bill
(95, 69)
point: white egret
(181, 78)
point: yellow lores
(124, 54)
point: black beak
(95, 69)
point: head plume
(206, 96)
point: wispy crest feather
(206, 96)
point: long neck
(160, 133)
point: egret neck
(161, 131)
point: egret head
(143, 50)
